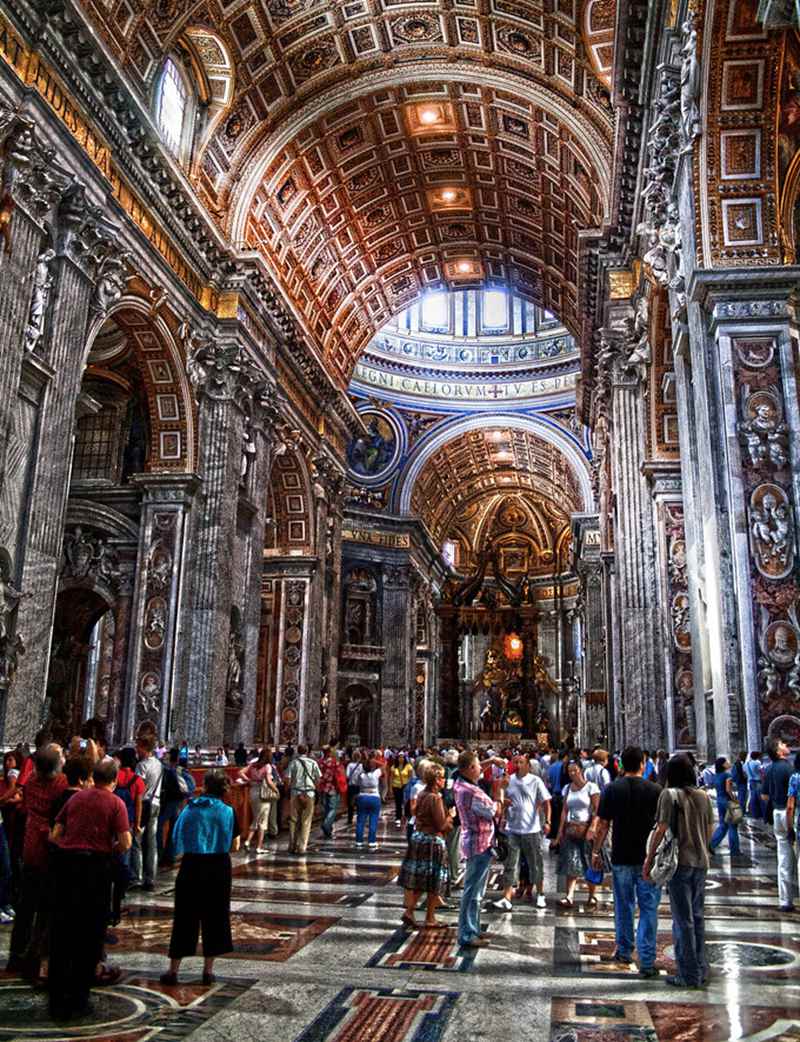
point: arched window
(172, 103)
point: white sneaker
(5, 918)
(540, 901)
(359, 846)
(397, 823)
(262, 850)
(502, 905)
(373, 846)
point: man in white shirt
(525, 796)
(598, 770)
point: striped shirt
(476, 814)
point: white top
(599, 775)
(368, 782)
(526, 795)
(579, 803)
(415, 790)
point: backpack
(173, 786)
(126, 795)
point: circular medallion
(373, 456)
(293, 634)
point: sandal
(591, 902)
(434, 926)
(564, 902)
(408, 921)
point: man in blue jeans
(476, 812)
(629, 805)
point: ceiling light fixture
(448, 195)
(429, 116)
(464, 266)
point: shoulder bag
(267, 791)
(665, 857)
(734, 813)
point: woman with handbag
(728, 807)
(576, 832)
(688, 808)
(264, 796)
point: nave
(321, 956)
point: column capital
(166, 488)
(221, 370)
(30, 178)
(746, 295)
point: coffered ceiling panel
(373, 148)
(480, 464)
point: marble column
(397, 678)
(292, 579)
(640, 665)
(742, 355)
(257, 467)
(88, 275)
(156, 671)
(223, 380)
(674, 605)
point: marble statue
(42, 284)
(690, 86)
(768, 680)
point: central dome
(471, 349)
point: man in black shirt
(629, 804)
(776, 790)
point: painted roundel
(373, 457)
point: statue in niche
(42, 285)
(770, 531)
(233, 699)
(249, 452)
(354, 707)
(359, 611)
(150, 692)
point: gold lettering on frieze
(509, 391)
(398, 540)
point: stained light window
(495, 309)
(435, 311)
(171, 111)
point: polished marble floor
(321, 957)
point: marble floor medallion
(382, 1015)
(315, 872)
(256, 935)
(136, 1008)
(423, 950)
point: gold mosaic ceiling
(374, 148)
(479, 465)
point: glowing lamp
(428, 116)
(513, 647)
(464, 266)
(448, 195)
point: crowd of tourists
(84, 825)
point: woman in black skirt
(204, 834)
(424, 869)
